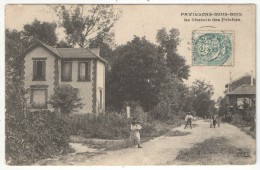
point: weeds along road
(163, 150)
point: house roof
(68, 53)
(242, 80)
(244, 89)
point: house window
(84, 71)
(39, 67)
(39, 97)
(242, 102)
(66, 71)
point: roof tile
(244, 89)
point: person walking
(214, 121)
(188, 120)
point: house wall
(232, 99)
(88, 90)
(84, 87)
(100, 85)
(39, 52)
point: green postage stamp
(212, 48)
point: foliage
(172, 99)
(168, 44)
(112, 126)
(83, 24)
(136, 111)
(63, 44)
(107, 126)
(44, 32)
(66, 98)
(105, 49)
(34, 136)
(223, 106)
(202, 103)
(18, 41)
(14, 46)
(136, 74)
(168, 41)
(28, 137)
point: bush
(103, 126)
(136, 111)
(111, 126)
(66, 98)
(227, 118)
(37, 135)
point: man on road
(188, 120)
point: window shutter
(62, 71)
(86, 71)
(70, 71)
(34, 69)
(89, 70)
(78, 70)
(43, 69)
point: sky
(146, 20)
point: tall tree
(169, 44)
(202, 102)
(106, 48)
(84, 23)
(16, 42)
(136, 74)
(42, 31)
(172, 99)
(223, 106)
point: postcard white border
(2, 79)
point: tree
(223, 106)
(14, 46)
(105, 47)
(202, 102)
(16, 43)
(24, 134)
(63, 44)
(168, 45)
(66, 98)
(172, 99)
(168, 41)
(44, 32)
(136, 74)
(83, 24)
(14, 91)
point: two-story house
(45, 67)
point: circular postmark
(212, 49)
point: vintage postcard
(130, 85)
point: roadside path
(163, 150)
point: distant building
(45, 67)
(240, 91)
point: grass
(214, 151)
(244, 126)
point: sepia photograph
(130, 84)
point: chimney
(252, 79)
(230, 81)
(95, 50)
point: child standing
(135, 129)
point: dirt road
(163, 150)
